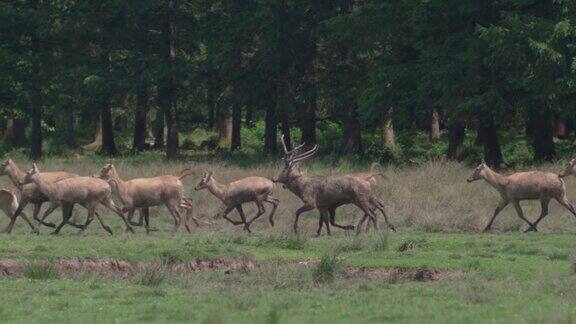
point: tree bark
(15, 133)
(236, 141)
(167, 89)
(97, 142)
(36, 101)
(388, 130)
(211, 103)
(224, 130)
(108, 145)
(489, 137)
(352, 133)
(560, 127)
(456, 135)
(308, 120)
(270, 127)
(435, 132)
(541, 123)
(249, 122)
(159, 128)
(140, 117)
(70, 128)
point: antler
(291, 157)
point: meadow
(438, 267)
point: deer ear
(210, 174)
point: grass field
(436, 268)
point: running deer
(143, 193)
(234, 194)
(533, 185)
(86, 191)
(30, 193)
(9, 203)
(325, 193)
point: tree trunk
(435, 126)
(140, 117)
(308, 120)
(36, 103)
(352, 133)
(108, 146)
(456, 135)
(270, 129)
(15, 133)
(70, 132)
(236, 141)
(489, 137)
(167, 88)
(560, 127)
(159, 128)
(224, 130)
(211, 103)
(541, 122)
(249, 122)
(388, 130)
(97, 142)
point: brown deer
(143, 193)
(325, 193)
(30, 193)
(239, 192)
(86, 191)
(533, 185)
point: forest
(393, 80)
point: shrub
(327, 268)
(41, 271)
(152, 276)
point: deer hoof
(531, 229)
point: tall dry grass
(431, 197)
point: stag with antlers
(325, 193)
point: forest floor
(436, 268)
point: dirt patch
(407, 274)
(124, 269)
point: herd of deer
(325, 193)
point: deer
(9, 202)
(234, 194)
(30, 193)
(369, 177)
(86, 191)
(144, 193)
(516, 187)
(325, 193)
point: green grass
(502, 278)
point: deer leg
(68, 208)
(224, 211)
(13, 218)
(499, 208)
(365, 207)
(260, 212)
(108, 203)
(566, 203)
(274, 203)
(131, 217)
(324, 215)
(300, 210)
(332, 212)
(92, 212)
(36, 213)
(543, 213)
(243, 217)
(380, 206)
(520, 213)
(65, 219)
(176, 215)
(189, 207)
(320, 224)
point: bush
(327, 268)
(152, 276)
(41, 271)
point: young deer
(86, 191)
(324, 193)
(30, 193)
(9, 202)
(234, 194)
(534, 185)
(144, 193)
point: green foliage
(327, 269)
(40, 271)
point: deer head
(291, 161)
(30, 175)
(106, 172)
(569, 170)
(203, 184)
(478, 172)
